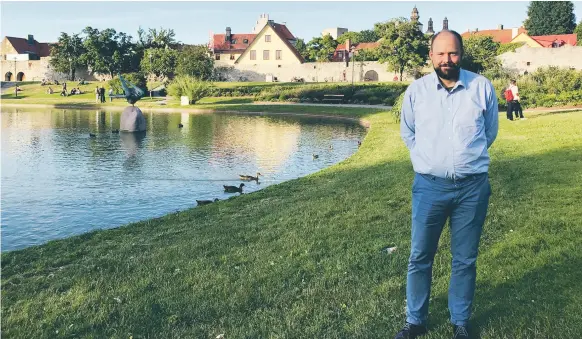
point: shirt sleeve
(491, 116)
(407, 120)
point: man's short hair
(457, 35)
(513, 81)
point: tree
(302, 49)
(195, 61)
(321, 49)
(66, 54)
(368, 36)
(403, 45)
(164, 38)
(355, 37)
(550, 17)
(480, 53)
(578, 32)
(159, 61)
(108, 52)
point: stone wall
(37, 70)
(310, 72)
(529, 59)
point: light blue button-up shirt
(448, 133)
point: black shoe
(411, 331)
(460, 332)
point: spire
(446, 24)
(430, 29)
(414, 16)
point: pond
(67, 172)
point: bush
(190, 87)
(397, 107)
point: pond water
(58, 180)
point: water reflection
(58, 181)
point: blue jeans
(433, 201)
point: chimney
(227, 37)
(30, 39)
(476, 29)
(500, 26)
(514, 32)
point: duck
(330, 147)
(359, 143)
(249, 177)
(233, 189)
(206, 202)
(91, 135)
(180, 125)
(315, 156)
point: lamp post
(352, 60)
(150, 55)
(16, 86)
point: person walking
(449, 119)
(515, 102)
(102, 94)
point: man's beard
(451, 74)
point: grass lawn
(304, 259)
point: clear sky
(193, 21)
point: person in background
(110, 94)
(102, 94)
(97, 92)
(515, 103)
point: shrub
(397, 107)
(190, 87)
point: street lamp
(15, 79)
(353, 59)
(150, 55)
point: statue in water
(132, 119)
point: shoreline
(363, 122)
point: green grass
(303, 259)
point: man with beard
(449, 119)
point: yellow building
(547, 41)
(269, 44)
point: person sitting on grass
(63, 93)
(49, 90)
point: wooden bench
(338, 98)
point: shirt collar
(461, 82)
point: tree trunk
(401, 71)
(72, 73)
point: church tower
(430, 30)
(446, 24)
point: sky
(193, 21)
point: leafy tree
(159, 61)
(403, 46)
(195, 61)
(578, 32)
(66, 54)
(321, 49)
(164, 38)
(355, 37)
(368, 36)
(108, 52)
(550, 17)
(302, 49)
(480, 53)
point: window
(253, 55)
(233, 41)
(528, 63)
(217, 57)
(265, 55)
(267, 38)
(232, 57)
(278, 66)
(245, 41)
(278, 55)
(340, 54)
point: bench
(339, 98)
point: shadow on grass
(300, 259)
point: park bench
(337, 98)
